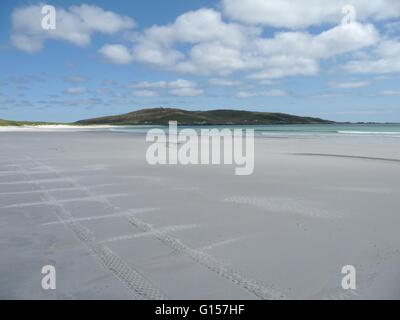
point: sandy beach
(117, 228)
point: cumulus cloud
(213, 42)
(299, 53)
(200, 26)
(285, 66)
(200, 29)
(385, 59)
(203, 42)
(305, 13)
(219, 48)
(74, 25)
(187, 92)
(116, 53)
(337, 40)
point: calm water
(391, 131)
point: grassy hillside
(161, 116)
(21, 123)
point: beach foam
(50, 128)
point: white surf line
(153, 232)
(222, 269)
(137, 284)
(105, 216)
(55, 201)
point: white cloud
(305, 13)
(184, 88)
(153, 53)
(179, 87)
(349, 85)
(149, 85)
(267, 82)
(175, 84)
(144, 93)
(219, 48)
(186, 92)
(284, 66)
(270, 93)
(391, 93)
(385, 59)
(338, 40)
(97, 19)
(181, 84)
(223, 82)
(116, 53)
(74, 25)
(216, 58)
(75, 91)
(197, 28)
(200, 26)
(299, 53)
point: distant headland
(161, 116)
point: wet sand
(116, 228)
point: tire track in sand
(222, 269)
(138, 286)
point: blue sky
(111, 57)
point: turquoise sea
(387, 131)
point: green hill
(161, 116)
